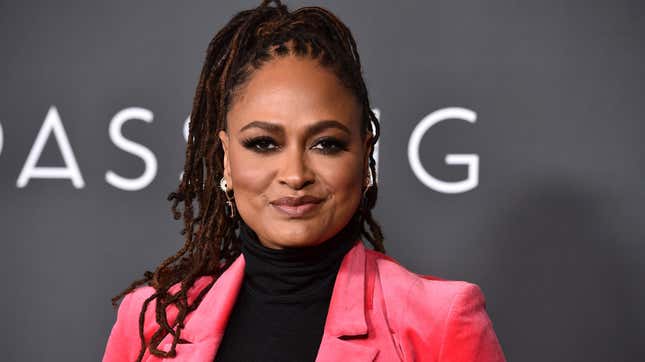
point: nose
(295, 170)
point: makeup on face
(294, 152)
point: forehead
(293, 91)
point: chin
(295, 241)
(292, 235)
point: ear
(224, 139)
(366, 157)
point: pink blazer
(379, 311)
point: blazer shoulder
(133, 302)
(124, 341)
(446, 319)
(394, 275)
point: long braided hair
(248, 40)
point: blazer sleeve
(123, 344)
(468, 333)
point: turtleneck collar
(294, 275)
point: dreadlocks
(247, 41)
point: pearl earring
(229, 206)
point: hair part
(249, 40)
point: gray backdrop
(552, 229)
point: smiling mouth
(297, 211)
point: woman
(279, 161)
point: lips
(296, 201)
(297, 206)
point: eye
(261, 144)
(330, 145)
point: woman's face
(294, 130)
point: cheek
(251, 177)
(343, 178)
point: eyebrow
(310, 131)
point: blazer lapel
(346, 322)
(334, 349)
(344, 327)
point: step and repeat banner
(512, 155)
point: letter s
(132, 147)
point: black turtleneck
(280, 312)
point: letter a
(70, 170)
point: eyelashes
(266, 144)
(261, 144)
